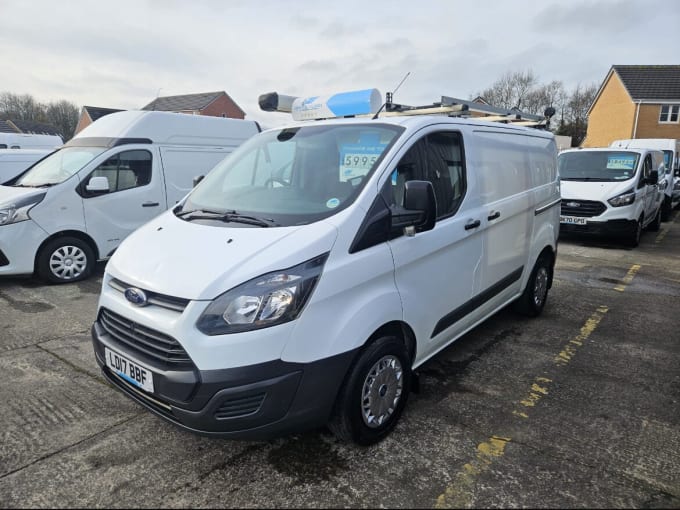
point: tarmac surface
(577, 408)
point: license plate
(131, 371)
(572, 220)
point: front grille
(161, 348)
(154, 298)
(3, 259)
(238, 407)
(582, 208)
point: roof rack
(364, 103)
(454, 107)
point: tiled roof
(6, 128)
(651, 82)
(96, 113)
(35, 128)
(187, 102)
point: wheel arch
(66, 233)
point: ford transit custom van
(611, 192)
(313, 270)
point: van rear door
(135, 196)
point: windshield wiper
(227, 217)
(599, 179)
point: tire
(533, 299)
(666, 208)
(373, 394)
(65, 260)
(634, 238)
(655, 225)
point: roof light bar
(343, 104)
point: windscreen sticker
(357, 159)
(333, 203)
(621, 162)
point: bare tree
(511, 89)
(574, 120)
(63, 115)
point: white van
(671, 157)
(76, 206)
(307, 276)
(611, 192)
(30, 141)
(14, 161)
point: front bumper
(19, 243)
(255, 402)
(611, 228)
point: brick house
(89, 114)
(215, 104)
(635, 101)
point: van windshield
(292, 176)
(597, 165)
(59, 166)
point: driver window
(126, 170)
(437, 158)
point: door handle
(472, 224)
(494, 215)
(150, 204)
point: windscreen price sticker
(357, 160)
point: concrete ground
(577, 408)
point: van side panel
(182, 164)
(516, 173)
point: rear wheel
(532, 301)
(655, 225)
(65, 260)
(666, 208)
(374, 393)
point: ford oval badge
(136, 296)
(573, 204)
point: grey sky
(119, 54)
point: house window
(669, 113)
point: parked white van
(671, 158)
(76, 206)
(14, 161)
(307, 276)
(611, 192)
(30, 141)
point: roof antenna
(388, 97)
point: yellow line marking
(628, 278)
(569, 350)
(460, 492)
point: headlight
(268, 300)
(18, 211)
(626, 198)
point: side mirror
(98, 184)
(197, 179)
(420, 207)
(653, 177)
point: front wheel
(535, 294)
(634, 239)
(374, 393)
(65, 260)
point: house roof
(96, 113)
(5, 127)
(650, 82)
(184, 102)
(35, 128)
